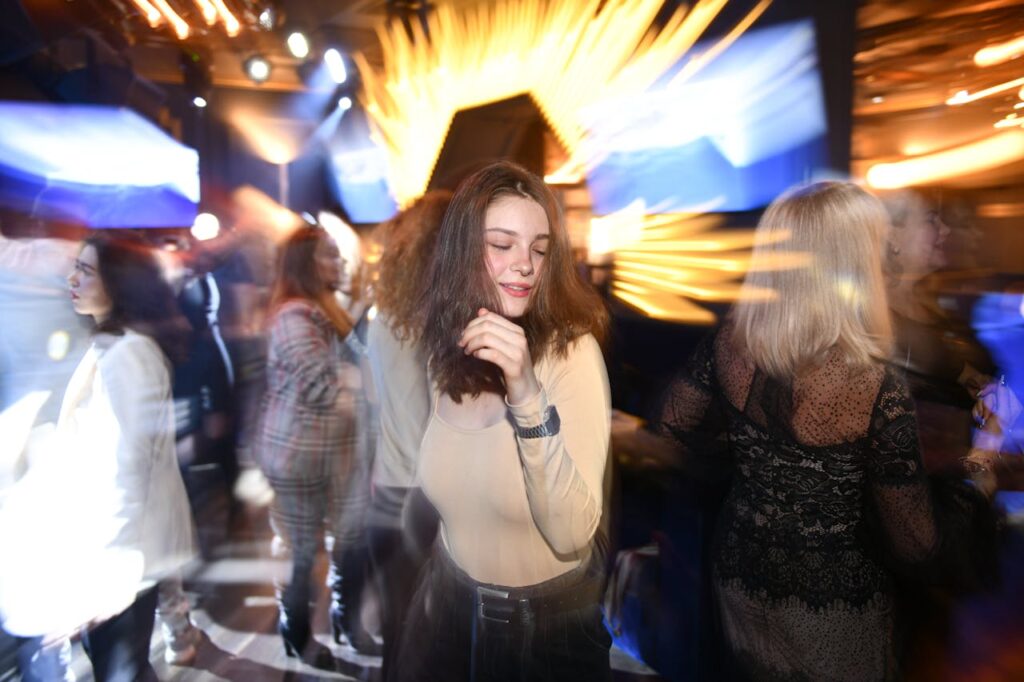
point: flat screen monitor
(99, 166)
(732, 137)
(358, 171)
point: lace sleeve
(691, 415)
(897, 484)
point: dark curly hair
(140, 297)
(408, 241)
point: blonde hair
(836, 300)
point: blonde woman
(822, 434)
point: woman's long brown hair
(298, 278)
(562, 306)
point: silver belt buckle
(486, 592)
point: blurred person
(31, 268)
(949, 375)
(515, 451)
(201, 381)
(999, 441)
(312, 437)
(115, 466)
(243, 264)
(399, 369)
(203, 384)
(355, 297)
(41, 340)
(946, 368)
(962, 244)
(829, 498)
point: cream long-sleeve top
(519, 511)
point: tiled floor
(234, 606)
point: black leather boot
(295, 637)
(299, 643)
(293, 616)
(347, 576)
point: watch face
(552, 423)
(549, 427)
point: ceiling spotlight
(206, 226)
(199, 101)
(345, 103)
(267, 18)
(335, 65)
(257, 68)
(298, 45)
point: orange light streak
(663, 306)
(565, 55)
(231, 25)
(181, 27)
(992, 152)
(997, 54)
(153, 16)
(208, 10)
(963, 97)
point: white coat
(107, 515)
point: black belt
(506, 606)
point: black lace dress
(801, 587)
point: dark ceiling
(911, 56)
(154, 52)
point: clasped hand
(495, 339)
(997, 408)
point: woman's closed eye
(501, 247)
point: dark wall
(511, 129)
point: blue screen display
(98, 166)
(733, 136)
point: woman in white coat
(127, 523)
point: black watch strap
(549, 427)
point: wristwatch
(549, 427)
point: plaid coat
(314, 408)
